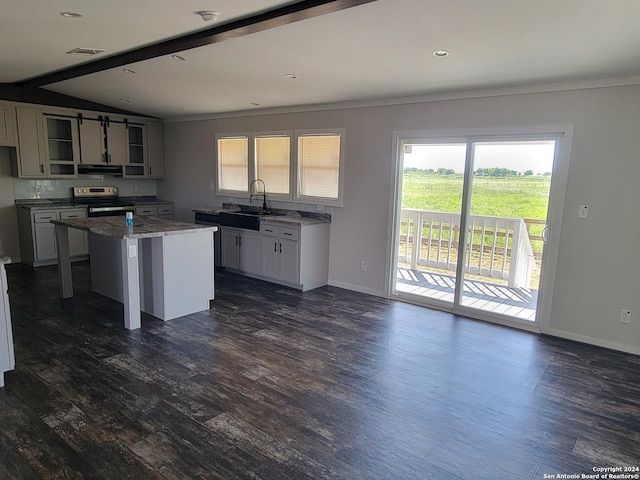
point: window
(319, 168)
(273, 160)
(233, 164)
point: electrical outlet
(136, 188)
(320, 208)
(212, 186)
(364, 266)
(625, 316)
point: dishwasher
(212, 219)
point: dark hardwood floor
(275, 384)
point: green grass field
(517, 196)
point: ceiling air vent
(85, 51)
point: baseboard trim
(358, 288)
(593, 341)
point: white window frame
(233, 193)
(330, 202)
(253, 169)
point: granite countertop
(144, 227)
(290, 218)
(4, 259)
(47, 203)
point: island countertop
(144, 227)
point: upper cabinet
(7, 133)
(92, 148)
(30, 160)
(155, 149)
(63, 148)
(52, 142)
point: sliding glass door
(472, 223)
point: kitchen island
(161, 267)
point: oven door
(109, 211)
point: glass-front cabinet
(135, 166)
(62, 146)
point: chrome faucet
(264, 194)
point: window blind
(233, 164)
(319, 165)
(273, 157)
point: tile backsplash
(32, 189)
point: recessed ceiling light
(440, 53)
(129, 71)
(125, 100)
(208, 15)
(178, 57)
(71, 14)
(85, 51)
(290, 75)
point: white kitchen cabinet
(117, 143)
(99, 131)
(63, 146)
(280, 253)
(92, 141)
(30, 156)
(292, 255)
(78, 239)
(289, 261)
(38, 239)
(155, 150)
(7, 359)
(44, 237)
(7, 133)
(241, 250)
(160, 211)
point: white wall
(598, 269)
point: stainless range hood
(115, 170)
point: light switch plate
(583, 211)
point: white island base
(174, 272)
(160, 267)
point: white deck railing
(499, 246)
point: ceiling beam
(237, 28)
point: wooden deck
(487, 296)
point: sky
(518, 156)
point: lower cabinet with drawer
(38, 235)
(161, 211)
(292, 255)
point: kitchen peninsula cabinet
(7, 359)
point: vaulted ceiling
(337, 50)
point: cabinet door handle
(149, 170)
(288, 234)
(109, 159)
(280, 248)
(41, 168)
(275, 247)
(239, 240)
